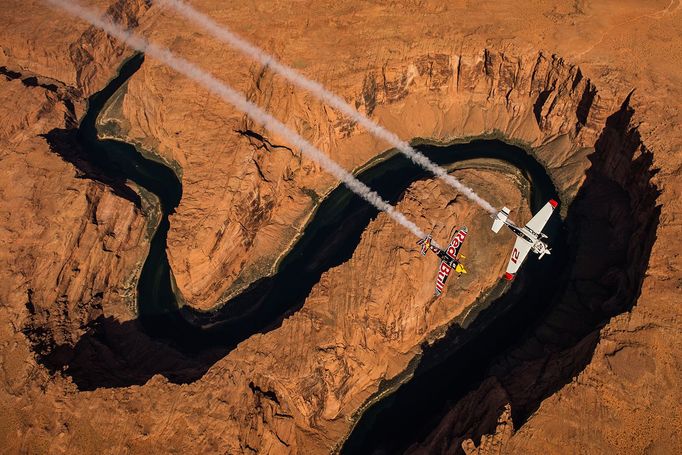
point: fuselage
(448, 264)
(537, 246)
(449, 257)
(443, 255)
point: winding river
(387, 424)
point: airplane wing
(537, 223)
(456, 243)
(518, 255)
(443, 272)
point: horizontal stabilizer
(500, 218)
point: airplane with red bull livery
(449, 258)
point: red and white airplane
(529, 237)
(449, 258)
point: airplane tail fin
(500, 218)
(425, 244)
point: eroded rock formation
(76, 240)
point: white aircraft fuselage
(528, 238)
(538, 246)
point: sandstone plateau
(593, 89)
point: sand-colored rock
(424, 69)
(76, 56)
(448, 95)
(72, 250)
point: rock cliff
(555, 77)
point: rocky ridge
(543, 109)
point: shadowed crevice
(64, 143)
(585, 105)
(539, 103)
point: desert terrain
(210, 204)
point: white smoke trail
(225, 35)
(229, 95)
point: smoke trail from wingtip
(234, 98)
(224, 34)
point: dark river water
(446, 370)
